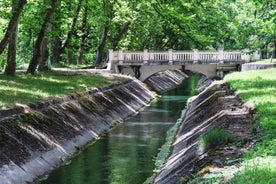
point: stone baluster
(146, 56)
(220, 55)
(196, 55)
(170, 56)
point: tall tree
(83, 30)
(11, 59)
(109, 13)
(13, 23)
(37, 48)
(68, 41)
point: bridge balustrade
(177, 57)
(232, 55)
(183, 56)
(207, 56)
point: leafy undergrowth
(26, 88)
(259, 88)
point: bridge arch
(146, 71)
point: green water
(126, 154)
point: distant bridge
(143, 64)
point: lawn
(259, 88)
(26, 88)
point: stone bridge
(143, 64)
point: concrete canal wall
(37, 138)
(216, 106)
(164, 81)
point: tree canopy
(82, 31)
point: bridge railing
(170, 56)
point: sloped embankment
(166, 80)
(38, 138)
(216, 106)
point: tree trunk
(37, 50)
(13, 22)
(11, 59)
(84, 34)
(69, 54)
(100, 51)
(44, 63)
(67, 45)
(56, 50)
(119, 35)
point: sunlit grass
(25, 88)
(259, 88)
(264, 61)
(257, 170)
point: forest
(35, 34)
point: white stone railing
(170, 56)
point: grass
(256, 171)
(259, 88)
(215, 137)
(25, 88)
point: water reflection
(125, 155)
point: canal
(127, 153)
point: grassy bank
(259, 88)
(25, 88)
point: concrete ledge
(248, 67)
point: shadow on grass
(26, 88)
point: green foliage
(215, 137)
(154, 25)
(258, 87)
(259, 170)
(24, 88)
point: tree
(12, 24)
(11, 59)
(109, 13)
(67, 44)
(37, 48)
(83, 30)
